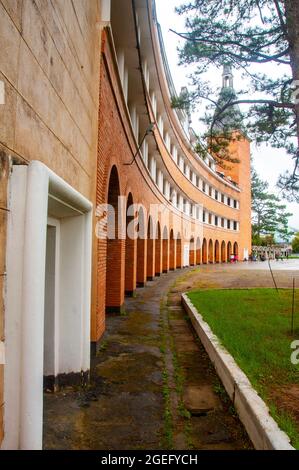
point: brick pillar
(204, 252)
(211, 252)
(236, 249)
(223, 253)
(192, 253)
(131, 262)
(150, 259)
(172, 254)
(192, 256)
(165, 255)
(198, 256)
(217, 252)
(115, 286)
(141, 262)
(179, 261)
(158, 257)
(229, 251)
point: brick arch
(198, 251)
(141, 248)
(158, 250)
(150, 250)
(165, 251)
(217, 252)
(172, 251)
(111, 172)
(204, 251)
(115, 264)
(179, 251)
(211, 251)
(192, 252)
(223, 252)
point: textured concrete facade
(49, 64)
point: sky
(268, 162)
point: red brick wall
(116, 146)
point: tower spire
(227, 77)
(231, 118)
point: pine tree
(295, 243)
(242, 33)
(269, 215)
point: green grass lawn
(254, 325)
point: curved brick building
(101, 189)
(135, 91)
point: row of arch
(212, 252)
(132, 261)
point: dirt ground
(152, 384)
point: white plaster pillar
(121, 65)
(144, 152)
(161, 125)
(173, 195)
(181, 163)
(137, 128)
(32, 347)
(134, 120)
(126, 83)
(174, 153)
(187, 173)
(154, 103)
(153, 167)
(146, 74)
(106, 11)
(167, 190)
(181, 203)
(167, 141)
(160, 180)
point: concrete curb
(252, 410)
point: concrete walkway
(153, 386)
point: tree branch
(267, 58)
(281, 19)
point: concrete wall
(49, 64)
